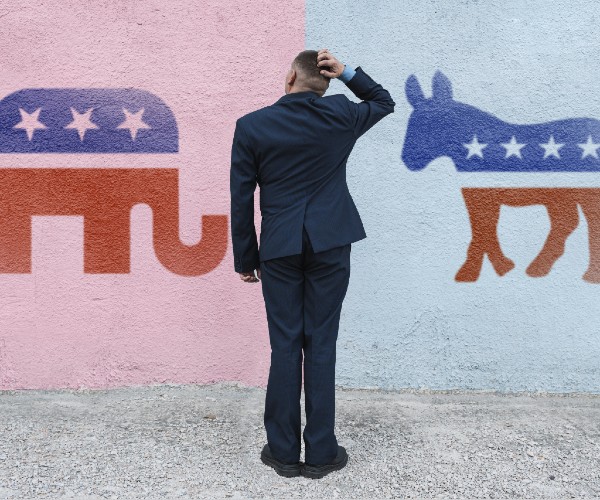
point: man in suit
(296, 151)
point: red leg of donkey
(590, 204)
(564, 218)
(484, 211)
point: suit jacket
(296, 151)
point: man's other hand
(333, 67)
(249, 277)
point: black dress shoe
(285, 470)
(318, 471)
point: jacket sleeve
(242, 184)
(376, 102)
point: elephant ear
(441, 86)
(414, 92)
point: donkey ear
(441, 86)
(414, 93)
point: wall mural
(479, 141)
(97, 121)
(136, 121)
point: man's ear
(292, 77)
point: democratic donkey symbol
(479, 141)
(97, 121)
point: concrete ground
(204, 442)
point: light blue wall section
(406, 322)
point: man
(296, 151)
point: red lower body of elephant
(104, 197)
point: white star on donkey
(513, 148)
(81, 122)
(30, 122)
(551, 148)
(589, 148)
(475, 148)
(133, 121)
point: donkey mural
(479, 141)
(117, 120)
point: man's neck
(302, 89)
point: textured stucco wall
(406, 321)
(210, 62)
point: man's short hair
(305, 63)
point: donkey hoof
(503, 267)
(467, 274)
(537, 270)
(592, 276)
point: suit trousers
(303, 296)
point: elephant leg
(15, 243)
(189, 260)
(159, 189)
(484, 213)
(107, 241)
(564, 218)
(590, 204)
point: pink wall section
(210, 62)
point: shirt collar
(298, 95)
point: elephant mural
(97, 121)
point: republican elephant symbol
(97, 120)
(105, 198)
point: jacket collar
(298, 95)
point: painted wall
(89, 301)
(95, 306)
(410, 318)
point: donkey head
(425, 136)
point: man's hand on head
(327, 59)
(249, 276)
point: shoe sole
(285, 470)
(319, 472)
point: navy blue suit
(296, 151)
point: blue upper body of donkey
(479, 141)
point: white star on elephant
(30, 122)
(133, 121)
(81, 122)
